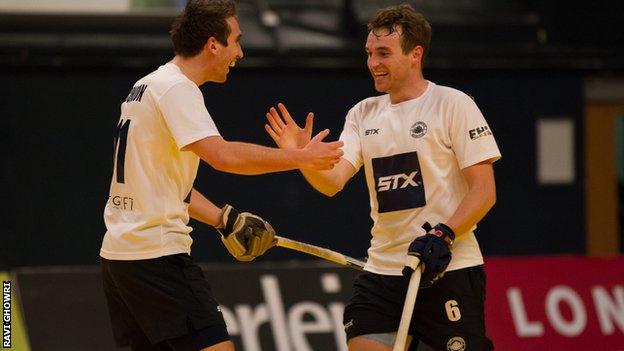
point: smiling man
(427, 153)
(157, 296)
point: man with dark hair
(157, 296)
(427, 153)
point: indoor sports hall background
(548, 77)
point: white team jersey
(413, 153)
(146, 214)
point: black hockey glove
(246, 236)
(433, 250)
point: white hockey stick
(408, 305)
(320, 252)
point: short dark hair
(414, 27)
(200, 20)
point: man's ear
(417, 53)
(211, 45)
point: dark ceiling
(467, 34)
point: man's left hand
(434, 251)
(245, 235)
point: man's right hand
(316, 154)
(319, 155)
(285, 131)
(246, 236)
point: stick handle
(320, 252)
(408, 305)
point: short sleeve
(183, 109)
(351, 137)
(472, 139)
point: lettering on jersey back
(136, 93)
(398, 182)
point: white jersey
(413, 153)
(146, 214)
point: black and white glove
(433, 250)
(245, 235)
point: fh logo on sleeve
(398, 182)
(479, 132)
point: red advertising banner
(555, 303)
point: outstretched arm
(251, 159)
(288, 135)
(332, 181)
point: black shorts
(165, 302)
(446, 316)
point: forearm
(470, 211)
(331, 181)
(325, 182)
(478, 201)
(250, 159)
(204, 210)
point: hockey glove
(246, 236)
(433, 250)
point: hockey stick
(408, 305)
(321, 252)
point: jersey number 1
(121, 139)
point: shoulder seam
(171, 87)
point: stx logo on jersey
(392, 182)
(371, 131)
(398, 182)
(479, 132)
